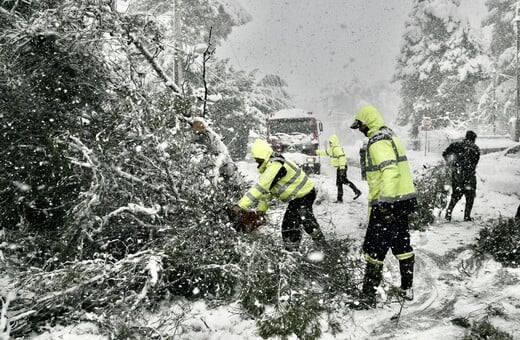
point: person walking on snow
(283, 178)
(391, 198)
(339, 161)
(463, 156)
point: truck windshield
(291, 126)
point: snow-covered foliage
(354, 92)
(501, 239)
(120, 198)
(432, 194)
(497, 104)
(440, 62)
(115, 193)
(233, 114)
(271, 94)
(72, 91)
(196, 18)
(238, 15)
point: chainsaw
(245, 221)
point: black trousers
(299, 215)
(341, 178)
(383, 234)
(462, 185)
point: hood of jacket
(333, 141)
(262, 150)
(371, 117)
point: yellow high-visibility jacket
(335, 152)
(387, 170)
(279, 177)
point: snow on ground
(449, 282)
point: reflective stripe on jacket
(293, 184)
(387, 170)
(335, 152)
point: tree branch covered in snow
(440, 63)
(150, 58)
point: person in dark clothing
(463, 157)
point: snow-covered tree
(74, 83)
(238, 104)
(440, 62)
(271, 94)
(187, 27)
(113, 198)
(497, 104)
(230, 99)
(195, 18)
(348, 96)
(229, 106)
(57, 83)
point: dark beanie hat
(470, 135)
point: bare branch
(206, 56)
(157, 68)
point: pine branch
(53, 302)
(206, 57)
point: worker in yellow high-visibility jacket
(391, 199)
(284, 179)
(338, 159)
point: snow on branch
(134, 208)
(158, 69)
(153, 266)
(223, 164)
(5, 327)
(57, 287)
(135, 179)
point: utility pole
(494, 105)
(177, 56)
(516, 127)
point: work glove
(246, 220)
(260, 218)
(236, 209)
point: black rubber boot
(352, 186)
(319, 239)
(372, 279)
(449, 210)
(406, 269)
(340, 194)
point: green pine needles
(432, 195)
(501, 239)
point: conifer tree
(497, 104)
(439, 64)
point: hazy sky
(313, 43)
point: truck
(295, 133)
